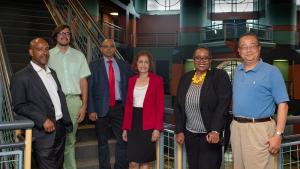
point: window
(163, 5)
(229, 67)
(233, 5)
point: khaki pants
(250, 142)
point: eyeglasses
(252, 47)
(108, 46)
(65, 33)
(205, 58)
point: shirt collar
(38, 69)
(256, 68)
(56, 50)
(105, 59)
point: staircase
(21, 21)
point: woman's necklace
(201, 78)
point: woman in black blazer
(201, 108)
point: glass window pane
(162, 5)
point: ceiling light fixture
(114, 13)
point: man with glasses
(72, 69)
(107, 95)
(257, 88)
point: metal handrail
(6, 73)
(113, 26)
(117, 54)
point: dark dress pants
(114, 117)
(53, 157)
(201, 154)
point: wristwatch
(280, 134)
(215, 132)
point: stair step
(86, 132)
(22, 5)
(25, 18)
(92, 163)
(19, 58)
(18, 66)
(26, 32)
(89, 149)
(21, 11)
(23, 40)
(31, 2)
(27, 25)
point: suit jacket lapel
(205, 86)
(103, 68)
(37, 81)
(185, 87)
(150, 86)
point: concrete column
(193, 16)
(282, 15)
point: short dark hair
(135, 60)
(59, 29)
(202, 47)
(248, 34)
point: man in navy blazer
(99, 107)
(36, 94)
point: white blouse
(139, 95)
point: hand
(93, 116)
(155, 135)
(124, 135)
(81, 114)
(49, 126)
(275, 144)
(180, 138)
(212, 137)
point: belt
(72, 95)
(118, 101)
(252, 120)
(59, 120)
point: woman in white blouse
(144, 112)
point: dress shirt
(70, 68)
(51, 87)
(117, 75)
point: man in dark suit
(106, 100)
(37, 94)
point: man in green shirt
(72, 69)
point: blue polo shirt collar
(256, 68)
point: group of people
(130, 99)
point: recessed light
(280, 60)
(114, 13)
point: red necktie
(111, 80)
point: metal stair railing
(86, 33)
(12, 144)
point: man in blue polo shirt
(257, 88)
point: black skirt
(140, 148)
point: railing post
(159, 150)
(224, 32)
(179, 156)
(297, 37)
(70, 16)
(89, 45)
(156, 40)
(28, 145)
(272, 33)
(135, 41)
